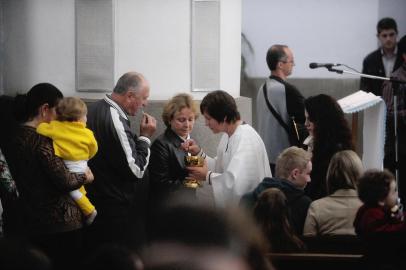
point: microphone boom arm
(340, 71)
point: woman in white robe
(241, 162)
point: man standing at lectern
(383, 61)
(286, 102)
(387, 95)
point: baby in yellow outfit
(74, 143)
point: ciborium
(193, 161)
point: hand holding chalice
(194, 165)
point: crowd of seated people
(44, 213)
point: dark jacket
(119, 164)
(44, 182)
(294, 101)
(377, 219)
(383, 236)
(298, 202)
(295, 108)
(167, 168)
(373, 65)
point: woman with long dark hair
(52, 219)
(271, 213)
(331, 133)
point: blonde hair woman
(334, 214)
(167, 166)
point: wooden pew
(316, 261)
(337, 244)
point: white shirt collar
(395, 52)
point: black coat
(373, 65)
(167, 169)
(119, 183)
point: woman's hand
(89, 176)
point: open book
(358, 101)
(374, 122)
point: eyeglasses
(289, 62)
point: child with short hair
(380, 221)
(74, 143)
(381, 211)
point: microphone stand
(395, 90)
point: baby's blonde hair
(70, 109)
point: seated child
(380, 221)
(74, 143)
(381, 211)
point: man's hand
(191, 147)
(148, 125)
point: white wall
(156, 42)
(230, 46)
(38, 44)
(329, 31)
(152, 37)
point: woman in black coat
(167, 163)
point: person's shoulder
(317, 204)
(44, 143)
(267, 182)
(44, 128)
(306, 201)
(271, 182)
(246, 131)
(160, 140)
(97, 105)
(292, 90)
(369, 212)
(289, 85)
(246, 126)
(372, 56)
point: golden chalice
(193, 161)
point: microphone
(326, 65)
